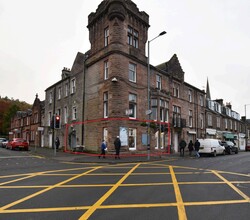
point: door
(176, 144)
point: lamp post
(246, 137)
(149, 104)
(246, 110)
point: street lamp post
(149, 104)
(246, 110)
(246, 135)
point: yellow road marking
(12, 157)
(180, 205)
(23, 178)
(232, 186)
(30, 175)
(46, 172)
(15, 175)
(45, 190)
(215, 202)
(121, 206)
(75, 208)
(122, 185)
(90, 211)
(40, 157)
(237, 174)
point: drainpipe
(83, 99)
(54, 108)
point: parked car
(247, 147)
(211, 146)
(4, 143)
(1, 141)
(18, 143)
(230, 147)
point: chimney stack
(65, 72)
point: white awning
(192, 132)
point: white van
(211, 146)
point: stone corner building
(105, 93)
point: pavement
(79, 157)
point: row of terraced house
(107, 93)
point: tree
(8, 108)
(7, 117)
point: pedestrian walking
(182, 146)
(190, 147)
(197, 148)
(57, 142)
(117, 144)
(103, 149)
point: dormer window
(133, 37)
(176, 89)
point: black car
(230, 147)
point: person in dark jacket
(182, 146)
(57, 142)
(117, 144)
(197, 148)
(190, 147)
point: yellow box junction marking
(46, 189)
(98, 205)
(232, 186)
(180, 205)
(90, 211)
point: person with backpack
(182, 146)
(103, 149)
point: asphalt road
(35, 187)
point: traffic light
(57, 121)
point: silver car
(2, 142)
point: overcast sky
(210, 37)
